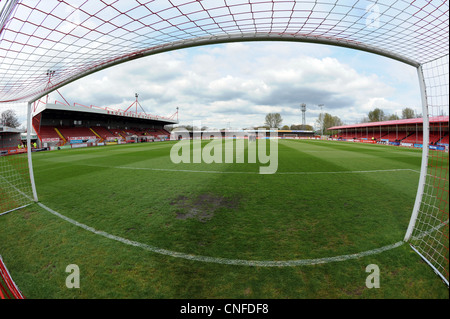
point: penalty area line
(224, 261)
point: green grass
(327, 199)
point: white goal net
(15, 184)
(428, 232)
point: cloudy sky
(235, 85)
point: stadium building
(71, 126)
(10, 141)
(244, 133)
(408, 132)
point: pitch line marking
(252, 173)
(225, 261)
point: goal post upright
(425, 153)
(29, 146)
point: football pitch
(138, 225)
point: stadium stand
(444, 140)
(48, 134)
(399, 132)
(394, 136)
(103, 133)
(77, 133)
(10, 140)
(59, 125)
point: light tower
(136, 96)
(321, 115)
(303, 108)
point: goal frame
(250, 38)
(425, 154)
(30, 160)
(418, 12)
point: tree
(393, 117)
(273, 120)
(408, 113)
(365, 119)
(326, 121)
(376, 115)
(305, 127)
(9, 118)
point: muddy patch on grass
(203, 207)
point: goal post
(425, 153)
(30, 161)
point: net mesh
(430, 234)
(15, 184)
(71, 38)
(8, 288)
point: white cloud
(240, 83)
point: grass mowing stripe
(260, 216)
(252, 173)
(352, 157)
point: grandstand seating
(436, 137)
(131, 132)
(444, 140)
(393, 136)
(48, 132)
(154, 132)
(103, 132)
(163, 132)
(117, 133)
(412, 138)
(404, 137)
(60, 135)
(76, 133)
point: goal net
(428, 232)
(8, 288)
(15, 183)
